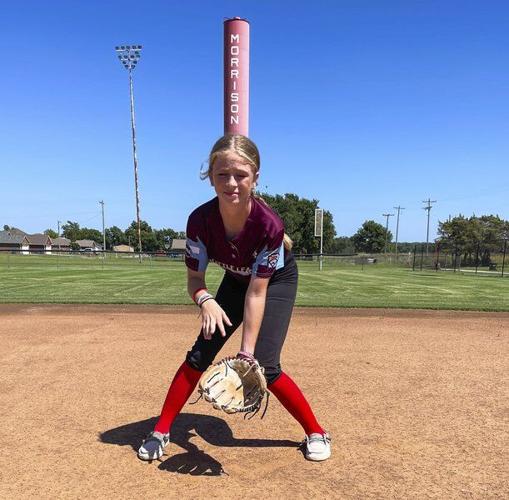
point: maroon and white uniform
(258, 250)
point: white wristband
(202, 298)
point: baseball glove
(234, 385)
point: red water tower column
(236, 76)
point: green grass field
(76, 279)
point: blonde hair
(246, 149)
(233, 143)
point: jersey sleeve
(196, 252)
(271, 256)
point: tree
(148, 237)
(71, 230)
(298, 215)
(341, 245)
(162, 234)
(408, 246)
(6, 227)
(87, 233)
(51, 233)
(473, 237)
(114, 236)
(370, 237)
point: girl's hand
(247, 356)
(212, 317)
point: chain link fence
(476, 258)
(70, 259)
(472, 258)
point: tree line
(469, 236)
(475, 238)
(152, 240)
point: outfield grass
(48, 279)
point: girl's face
(233, 179)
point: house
(16, 231)
(17, 243)
(61, 244)
(123, 248)
(178, 245)
(178, 248)
(89, 245)
(39, 243)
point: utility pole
(104, 234)
(129, 56)
(398, 208)
(386, 229)
(428, 208)
(58, 235)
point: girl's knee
(272, 373)
(196, 360)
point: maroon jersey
(258, 249)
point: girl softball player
(243, 235)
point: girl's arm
(195, 281)
(212, 314)
(254, 307)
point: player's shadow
(194, 461)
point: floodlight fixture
(129, 55)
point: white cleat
(317, 446)
(153, 446)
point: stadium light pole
(386, 229)
(428, 208)
(129, 56)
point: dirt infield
(418, 407)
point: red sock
(291, 397)
(182, 386)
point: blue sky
(363, 105)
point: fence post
(422, 256)
(437, 262)
(477, 258)
(503, 258)
(413, 264)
